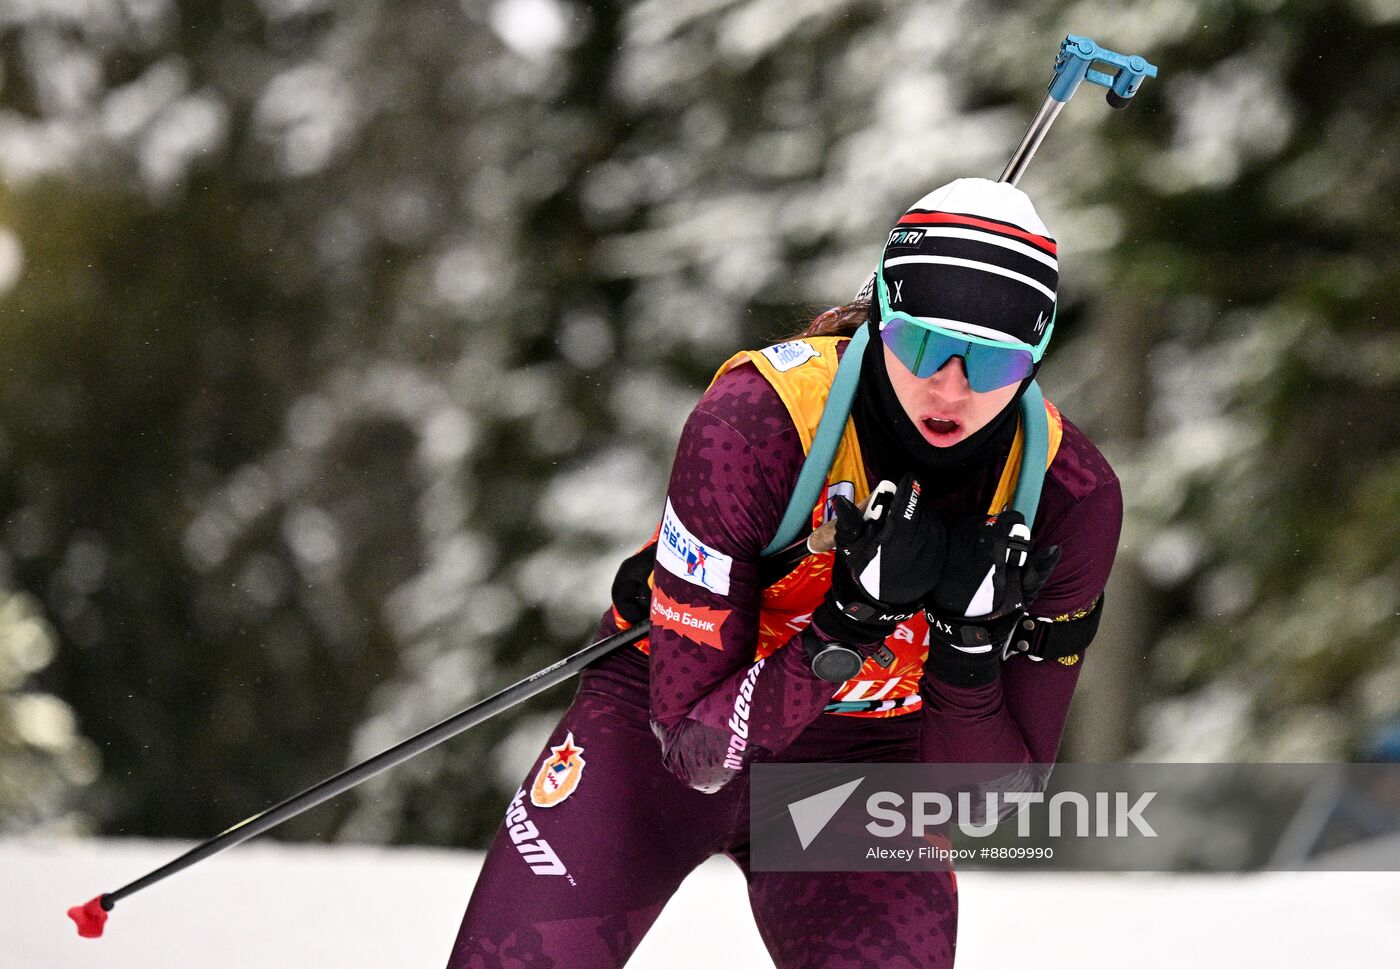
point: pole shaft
(1035, 134)
(351, 776)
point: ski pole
(92, 916)
(1073, 65)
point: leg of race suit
(856, 920)
(575, 884)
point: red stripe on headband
(948, 218)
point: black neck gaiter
(892, 444)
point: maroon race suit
(575, 883)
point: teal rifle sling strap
(832, 425)
(1035, 451)
(812, 478)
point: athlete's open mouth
(939, 427)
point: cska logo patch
(559, 775)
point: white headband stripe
(971, 264)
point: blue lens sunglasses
(924, 347)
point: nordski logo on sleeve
(785, 356)
(739, 720)
(682, 554)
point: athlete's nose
(950, 381)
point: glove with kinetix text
(990, 576)
(886, 562)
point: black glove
(990, 576)
(887, 560)
(631, 590)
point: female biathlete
(646, 774)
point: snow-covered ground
(271, 906)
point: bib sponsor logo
(739, 720)
(906, 237)
(905, 633)
(526, 838)
(786, 356)
(684, 555)
(696, 623)
(843, 489)
(559, 775)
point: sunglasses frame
(887, 315)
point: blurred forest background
(345, 344)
